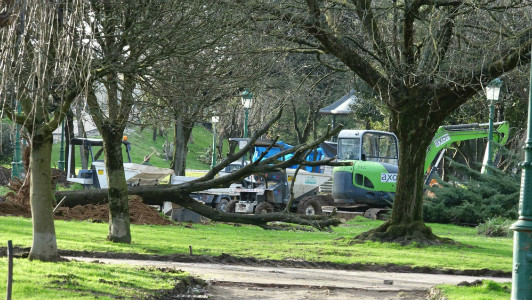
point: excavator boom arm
(446, 135)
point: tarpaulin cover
(318, 154)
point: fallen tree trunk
(156, 195)
(153, 195)
(179, 194)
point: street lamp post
(247, 102)
(522, 255)
(214, 120)
(61, 162)
(492, 94)
(16, 165)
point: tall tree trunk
(168, 148)
(232, 130)
(69, 134)
(84, 154)
(409, 207)
(219, 148)
(179, 155)
(44, 246)
(119, 229)
(182, 132)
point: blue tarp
(274, 150)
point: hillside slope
(142, 144)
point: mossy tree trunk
(406, 223)
(119, 223)
(69, 134)
(182, 132)
(120, 102)
(40, 124)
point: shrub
(7, 146)
(495, 227)
(481, 198)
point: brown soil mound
(139, 212)
(9, 208)
(59, 177)
(20, 192)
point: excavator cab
(368, 145)
(372, 177)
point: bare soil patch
(140, 213)
(59, 177)
(188, 288)
(236, 291)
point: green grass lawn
(478, 252)
(76, 280)
(488, 290)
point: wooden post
(9, 268)
(59, 204)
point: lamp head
(247, 98)
(493, 89)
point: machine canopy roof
(342, 106)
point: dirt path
(259, 282)
(238, 291)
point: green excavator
(371, 180)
